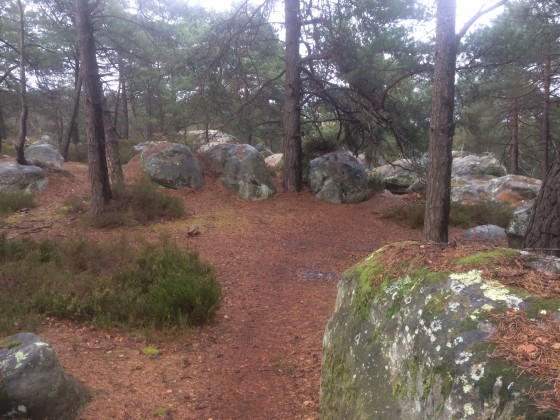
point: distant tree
(20, 144)
(292, 174)
(98, 172)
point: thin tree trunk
(20, 144)
(514, 145)
(436, 218)
(98, 173)
(124, 100)
(72, 125)
(292, 174)
(545, 123)
(113, 160)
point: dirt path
(278, 261)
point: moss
(438, 303)
(337, 386)
(539, 306)
(400, 388)
(366, 293)
(513, 383)
(413, 367)
(13, 344)
(481, 258)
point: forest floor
(278, 261)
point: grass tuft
(12, 201)
(112, 285)
(464, 216)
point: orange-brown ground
(278, 261)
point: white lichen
(468, 409)
(464, 357)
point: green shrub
(12, 201)
(112, 285)
(77, 152)
(140, 203)
(464, 216)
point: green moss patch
(482, 258)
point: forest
(298, 77)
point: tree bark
(436, 218)
(545, 123)
(98, 173)
(292, 174)
(514, 144)
(73, 125)
(543, 232)
(20, 144)
(113, 160)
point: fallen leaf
(541, 340)
(527, 348)
(556, 346)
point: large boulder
(275, 162)
(338, 177)
(408, 342)
(172, 165)
(199, 141)
(478, 166)
(14, 177)
(488, 232)
(44, 155)
(33, 383)
(513, 189)
(516, 229)
(397, 177)
(245, 173)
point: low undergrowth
(12, 201)
(139, 203)
(110, 285)
(464, 216)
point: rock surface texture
(33, 383)
(338, 177)
(44, 155)
(172, 165)
(14, 177)
(518, 225)
(408, 343)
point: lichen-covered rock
(172, 165)
(478, 165)
(491, 232)
(513, 189)
(397, 177)
(29, 179)
(338, 177)
(516, 229)
(275, 161)
(467, 190)
(44, 155)
(408, 343)
(33, 383)
(201, 140)
(217, 155)
(246, 174)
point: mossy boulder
(409, 342)
(33, 383)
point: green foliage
(140, 203)
(151, 352)
(112, 285)
(12, 201)
(77, 152)
(464, 216)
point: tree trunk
(514, 150)
(113, 160)
(20, 144)
(292, 174)
(73, 125)
(545, 123)
(436, 218)
(98, 173)
(543, 232)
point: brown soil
(278, 261)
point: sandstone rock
(398, 177)
(517, 228)
(173, 165)
(217, 155)
(491, 232)
(480, 166)
(338, 177)
(197, 140)
(44, 155)
(275, 161)
(513, 189)
(246, 174)
(14, 177)
(33, 384)
(412, 346)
